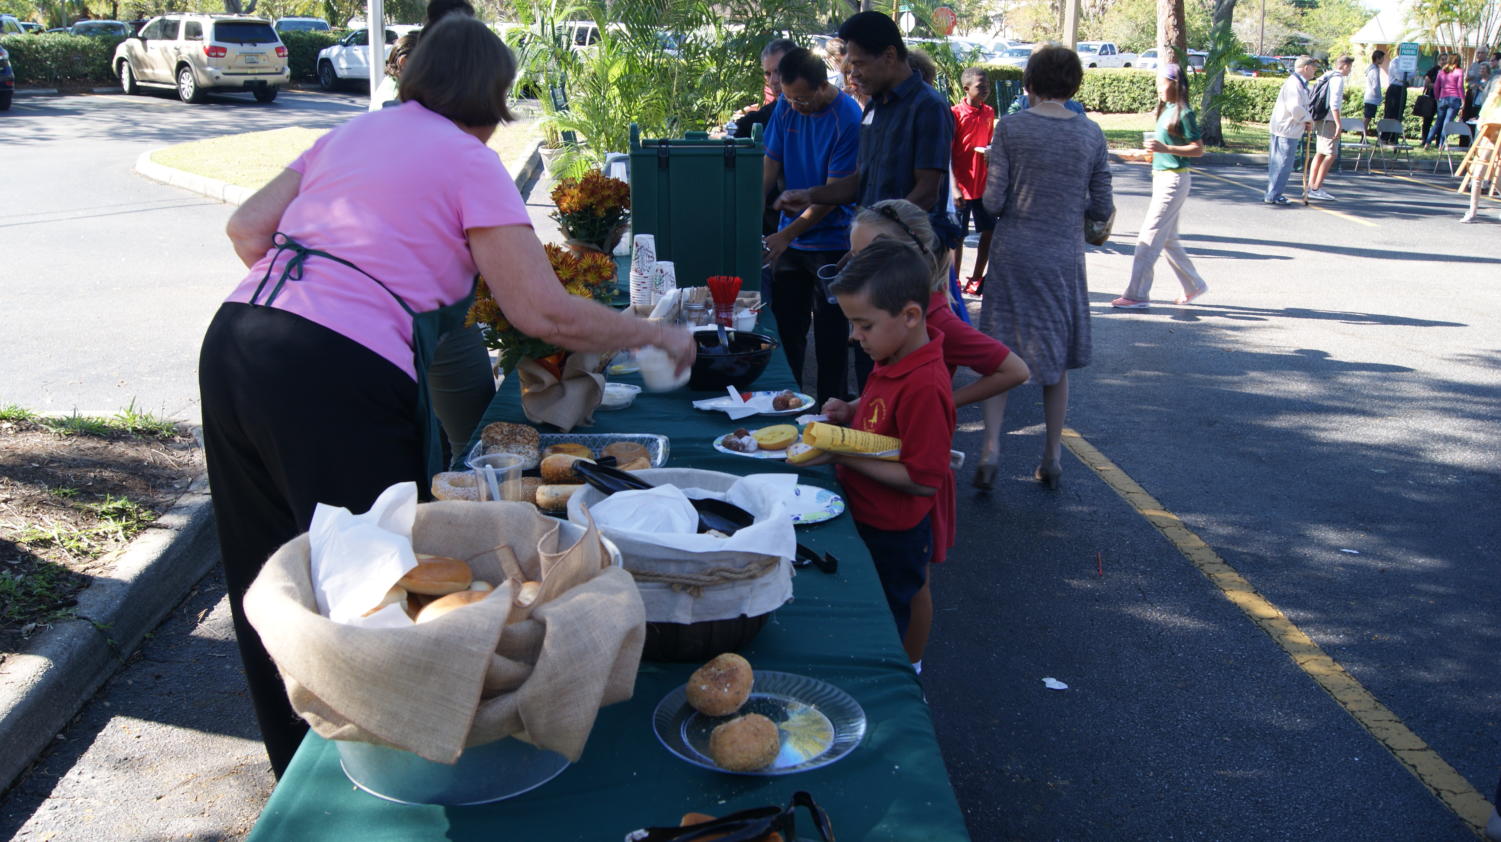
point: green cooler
(701, 199)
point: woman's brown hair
(461, 70)
(1180, 89)
(1053, 72)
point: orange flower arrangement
(589, 275)
(592, 209)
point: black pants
(294, 415)
(797, 300)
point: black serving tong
(717, 515)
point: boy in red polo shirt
(884, 292)
(974, 124)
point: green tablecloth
(837, 628)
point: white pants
(1159, 233)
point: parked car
(32, 27)
(7, 80)
(1104, 54)
(1016, 55)
(9, 25)
(1259, 66)
(102, 29)
(1147, 60)
(301, 25)
(201, 53)
(350, 58)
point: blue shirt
(910, 129)
(813, 148)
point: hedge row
(60, 58)
(55, 58)
(302, 50)
(1247, 99)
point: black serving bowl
(738, 365)
(698, 642)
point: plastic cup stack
(643, 273)
(664, 280)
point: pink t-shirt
(392, 192)
(1449, 83)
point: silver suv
(201, 53)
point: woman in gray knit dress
(1048, 171)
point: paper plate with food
(765, 443)
(744, 404)
(730, 718)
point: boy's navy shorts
(901, 558)
(984, 219)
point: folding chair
(1361, 146)
(1392, 128)
(1452, 129)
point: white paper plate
(721, 404)
(811, 504)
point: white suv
(201, 53)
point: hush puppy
(721, 686)
(745, 743)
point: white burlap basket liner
(466, 678)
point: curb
(42, 689)
(234, 194)
(55, 92)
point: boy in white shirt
(1329, 130)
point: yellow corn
(845, 440)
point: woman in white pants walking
(1177, 140)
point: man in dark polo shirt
(905, 135)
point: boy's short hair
(970, 74)
(1344, 61)
(800, 64)
(439, 9)
(891, 272)
(1304, 61)
(1053, 72)
(873, 32)
(1378, 55)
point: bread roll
(627, 451)
(529, 486)
(635, 465)
(569, 448)
(437, 575)
(798, 453)
(745, 744)
(721, 686)
(554, 498)
(558, 468)
(527, 593)
(444, 604)
(519, 439)
(481, 585)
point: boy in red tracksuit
(884, 293)
(974, 125)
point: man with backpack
(1289, 121)
(1324, 108)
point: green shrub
(50, 59)
(1125, 91)
(302, 51)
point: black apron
(427, 328)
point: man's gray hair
(778, 46)
(1304, 61)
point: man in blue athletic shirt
(813, 138)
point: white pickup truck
(1104, 54)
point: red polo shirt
(962, 344)
(972, 127)
(911, 399)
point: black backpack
(1318, 101)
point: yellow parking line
(1423, 762)
(1330, 211)
(1452, 191)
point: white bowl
(618, 395)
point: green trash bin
(701, 199)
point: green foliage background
(302, 51)
(59, 58)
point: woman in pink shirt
(1449, 90)
(361, 253)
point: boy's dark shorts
(984, 219)
(1370, 110)
(901, 558)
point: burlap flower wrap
(563, 400)
(468, 677)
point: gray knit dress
(1046, 174)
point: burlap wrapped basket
(466, 678)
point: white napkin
(664, 509)
(760, 494)
(357, 558)
(737, 407)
